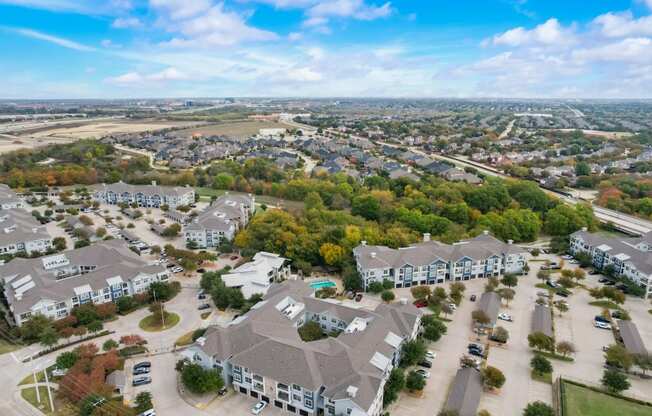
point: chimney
(351, 391)
(485, 232)
(510, 241)
(373, 254)
(426, 237)
(363, 242)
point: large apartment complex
(53, 285)
(220, 221)
(152, 196)
(21, 233)
(9, 199)
(631, 257)
(257, 276)
(432, 262)
(262, 355)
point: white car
(177, 270)
(452, 306)
(601, 325)
(150, 412)
(58, 372)
(258, 408)
(423, 373)
(567, 257)
(431, 355)
(574, 262)
(505, 317)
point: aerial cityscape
(326, 208)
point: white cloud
(626, 50)
(94, 7)
(616, 25)
(126, 23)
(135, 78)
(550, 33)
(295, 36)
(200, 24)
(356, 9)
(315, 21)
(66, 43)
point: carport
(464, 396)
(490, 305)
(631, 338)
(542, 320)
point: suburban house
(433, 262)
(9, 199)
(54, 285)
(220, 221)
(153, 196)
(258, 275)
(262, 355)
(20, 232)
(631, 257)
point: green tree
(582, 169)
(143, 401)
(415, 381)
(48, 337)
(614, 381)
(540, 365)
(509, 280)
(59, 243)
(387, 296)
(311, 331)
(541, 341)
(565, 348)
(538, 409)
(66, 360)
(109, 345)
(617, 355)
(506, 294)
(366, 206)
(394, 385)
(492, 377)
(480, 317)
(199, 380)
(412, 352)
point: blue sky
(325, 48)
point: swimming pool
(323, 284)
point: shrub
(415, 381)
(311, 331)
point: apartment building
(220, 221)
(21, 233)
(54, 285)
(259, 274)
(631, 257)
(150, 196)
(262, 355)
(431, 262)
(9, 199)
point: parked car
(564, 293)
(601, 325)
(473, 298)
(423, 373)
(258, 408)
(234, 257)
(358, 297)
(567, 257)
(552, 284)
(610, 283)
(617, 314)
(141, 381)
(425, 363)
(543, 294)
(452, 306)
(420, 303)
(603, 280)
(600, 318)
(505, 317)
(141, 370)
(203, 306)
(431, 355)
(201, 270)
(59, 372)
(201, 296)
(143, 364)
(150, 412)
(476, 352)
(222, 391)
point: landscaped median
(159, 320)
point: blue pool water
(323, 284)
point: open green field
(581, 401)
(244, 128)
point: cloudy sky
(325, 48)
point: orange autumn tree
(88, 375)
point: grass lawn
(555, 356)
(40, 376)
(6, 346)
(148, 324)
(544, 378)
(604, 304)
(580, 401)
(185, 339)
(30, 396)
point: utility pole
(162, 311)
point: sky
(325, 48)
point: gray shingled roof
(222, 214)
(480, 247)
(268, 343)
(490, 304)
(542, 320)
(631, 337)
(111, 258)
(642, 260)
(121, 187)
(465, 392)
(24, 226)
